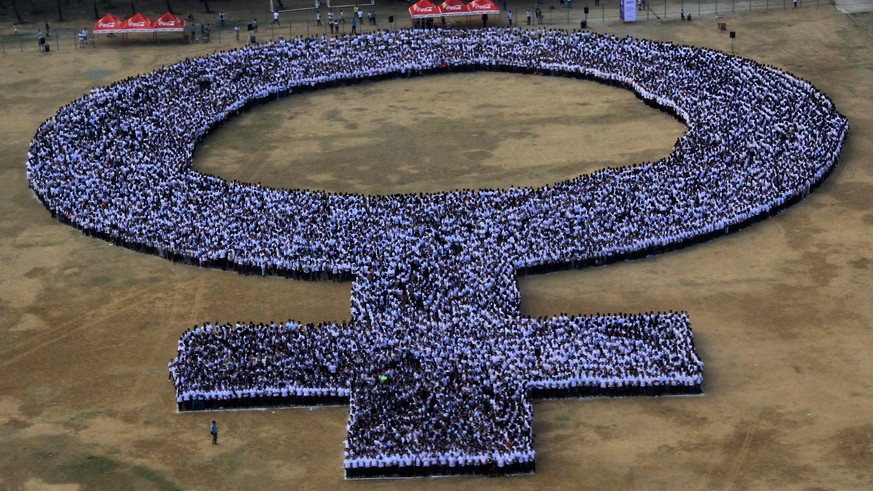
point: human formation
(436, 362)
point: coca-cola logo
(169, 23)
(477, 6)
(454, 7)
(107, 24)
(137, 24)
(423, 9)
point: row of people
(229, 362)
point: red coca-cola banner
(424, 9)
(108, 24)
(483, 7)
(169, 23)
(138, 23)
(453, 7)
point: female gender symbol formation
(437, 363)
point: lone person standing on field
(213, 430)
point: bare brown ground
(781, 313)
(513, 129)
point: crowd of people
(436, 362)
(476, 396)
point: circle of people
(437, 363)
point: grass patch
(155, 478)
(85, 415)
(103, 473)
(50, 460)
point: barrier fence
(554, 13)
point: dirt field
(781, 311)
(379, 138)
